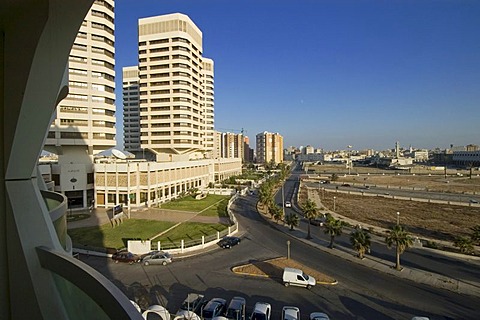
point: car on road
(345, 185)
(319, 316)
(290, 313)
(288, 204)
(228, 242)
(214, 308)
(236, 309)
(261, 311)
(318, 221)
(125, 256)
(159, 257)
(193, 302)
(473, 201)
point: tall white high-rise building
(176, 89)
(85, 120)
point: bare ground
(437, 221)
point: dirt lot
(273, 268)
(442, 222)
(430, 180)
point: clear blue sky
(333, 73)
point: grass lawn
(218, 209)
(190, 231)
(189, 203)
(108, 237)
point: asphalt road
(360, 294)
(425, 259)
(381, 191)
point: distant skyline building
(131, 108)
(85, 120)
(269, 147)
(176, 89)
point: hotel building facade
(84, 124)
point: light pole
(288, 249)
(349, 160)
(398, 218)
(334, 198)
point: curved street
(361, 293)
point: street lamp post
(288, 249)
(334, 198)
(398, 218)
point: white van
(296, 277)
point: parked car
(261, 311)
(125, 256)
(236, 308)
(228, 242)
(319, 316)
(193, 302)
(214, 308)
(159, 257)
(290, 313)
(288, 204)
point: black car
(228, 242)
(125, 256)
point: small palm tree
(465, 244)
(399, 237)
(360, 240)
(333, 227)
(266, 196)
(476, 234)
(292, 220)
(310, 212)
(276, 212)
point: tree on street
(360, 240)
(476, 234)
(333, 227)
(310, 212)
(399, 237)
(276, 212)
(292, 220)
(265, 195)
(464, 244)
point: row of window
(105, 4)
(94, 86)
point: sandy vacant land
(430, 183)
(273, 268)
(437, 221)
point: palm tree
(360, 240)
(276, 212)
(476, 234)
(399, 237)
(333, 227)
(310, 213)
(265, 195)
(465, 244)
(292, 220)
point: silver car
(159, 257)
